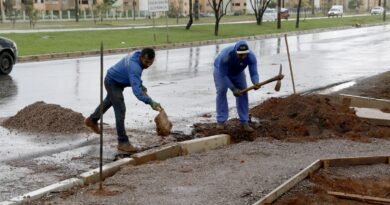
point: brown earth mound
(46, 118)
(297, 118)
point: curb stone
(60, 186)
(108, 170)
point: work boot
(92, 125)
(220, 126)
(126, 147)
(247, 128)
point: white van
(270, 15)
(336, 10)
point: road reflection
(8, 88)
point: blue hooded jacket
(227, 64)
(128, 72)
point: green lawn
(59, 42)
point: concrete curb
(159, 153)
(108, 170)
(60, 186)
(204, 144)
(55, 56)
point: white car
(377, 10)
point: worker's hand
(236, 92)
(256, 86)
(155, 106)
(144, 89)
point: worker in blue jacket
(229, 73)
(126, 73)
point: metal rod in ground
(101, 118)
(289, 63)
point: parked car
(377, 10)
(8, 55)
(284, 13)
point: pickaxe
(276, 78)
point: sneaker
(127, 147)
(92, 125)
(247, 128)
(220, 126)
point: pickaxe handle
(276, 78)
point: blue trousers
(115, 99)
(239, 81)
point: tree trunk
(298, 11)
(279, 24)
(191, 19)
(196, 10)
(77, 10)
(312, 7)
(216, 28)
(258, 20)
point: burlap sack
(163, 125)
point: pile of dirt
(40, 117)
(300, 118)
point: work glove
(155, 106)
(256, 86)
(236, 92)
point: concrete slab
(374, 116)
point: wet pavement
(181, 80)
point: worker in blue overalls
(229, 73)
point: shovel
(277, 78)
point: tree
(219, 12)
(298, 12)
(2, 11)
(191, 20)
(10, 11)
(76, 3)
(175, 10)
(31, 12)
(355, 4)
(259, 6)
(196, 10)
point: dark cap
(243, 49)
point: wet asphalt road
(181, 80)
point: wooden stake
(289, 62)
(101, 118)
